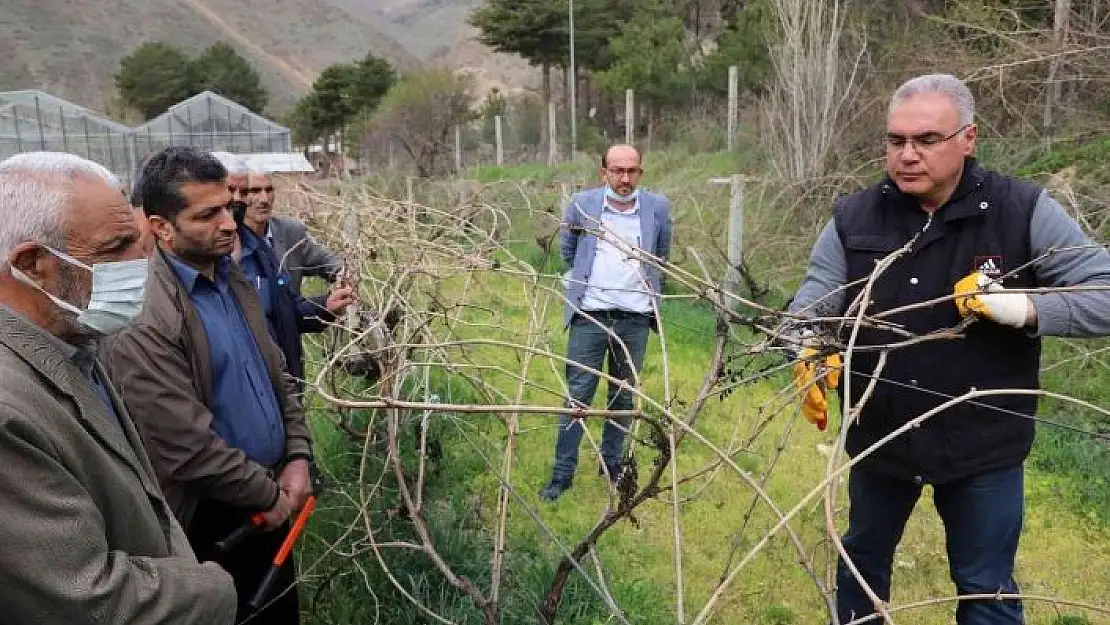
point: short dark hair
(158, 187)
(136, 196)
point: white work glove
(984, 297)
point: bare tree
(815, 77)
(420, 114)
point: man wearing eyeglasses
(609, 236)
(982, 237)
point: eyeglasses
(257, 190)
(620, 171)
(921, 143)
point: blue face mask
(117, 293)
(617, 197)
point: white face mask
(612, 194)
(117, 293)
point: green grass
(1088, 157)
(1065, 547)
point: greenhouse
(211, 122)
(32, 121)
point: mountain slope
(437, 32)
(72, 48)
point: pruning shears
(264, 587)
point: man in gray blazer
(608, 236)
(87, 535)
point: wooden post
(458, 149)
(392, 162)
(350, 239)
(733, 279)
(552, 136)
(733, 104)
(629, 115)
(497, 138)
(735, 232)
(350, 228)
(1052, 88)
(410, 193)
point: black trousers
(247, 562)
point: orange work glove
(813, 378)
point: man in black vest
(972, 233)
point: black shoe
(554, 489)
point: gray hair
(944, 84)
(35, 189)
(234, 164)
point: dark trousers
(591, 346)
(248, 562)
(982, 518)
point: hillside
(72, 48)
(437, 32)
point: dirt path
(298, 75)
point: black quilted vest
(984, 226)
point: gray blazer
(301, 255)
(578, 244)
(87, 536)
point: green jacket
(87, 536)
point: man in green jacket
(85, 534)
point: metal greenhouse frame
(32, 121)
(211, 122)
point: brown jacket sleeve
(154, 375)
(56, 566)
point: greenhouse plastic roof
(209, 112)
(30, 106)
(279, 162)
(33, 120)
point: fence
(525, 131)
(519, 131)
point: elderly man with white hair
(975, 240)
(87, 535)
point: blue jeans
(591, 346)
(982, 518)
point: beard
(201, 251)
